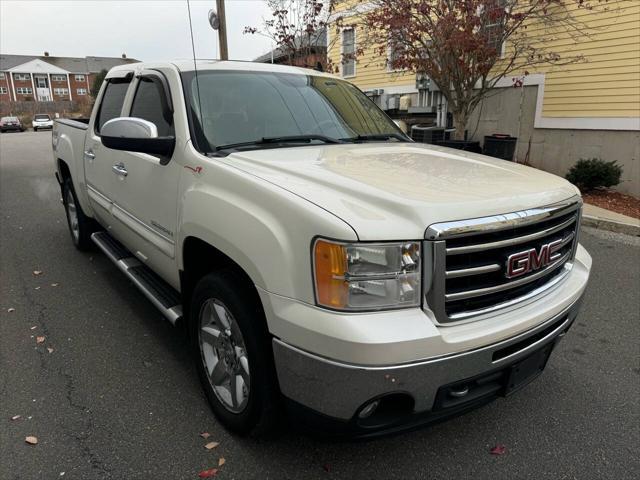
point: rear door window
(112, 101)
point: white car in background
(40, 121)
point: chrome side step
(160, 293)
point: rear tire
(80, 226)
(245, 400)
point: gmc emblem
(530, 260)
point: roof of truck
(205, 65)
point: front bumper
(358, 358)
(329, 395)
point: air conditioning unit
(423, 82)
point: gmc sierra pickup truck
(324, 264)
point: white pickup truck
(325, 265)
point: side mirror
(137, 135)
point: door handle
(89, 154)
(119, 169)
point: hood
(396, 190)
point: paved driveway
(118, 398)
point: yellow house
(586, 109)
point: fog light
(369, 409)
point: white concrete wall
(555, 150)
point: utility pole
(222, 30)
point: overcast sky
(143, 29)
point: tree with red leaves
(298, 29)
(467, 46)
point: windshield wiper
(377, 136)
(285, 139)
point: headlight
(367, 276)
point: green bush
(591, 173)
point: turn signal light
(330, 267)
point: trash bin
(500, 146)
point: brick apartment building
(46, 78)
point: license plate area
(526, 370)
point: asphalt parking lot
(116, 396)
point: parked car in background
(11, 123)
(42, 120)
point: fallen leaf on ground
(11, 310)
(212, 472)
(31, 440)
(37, 272)
(39, 339)
(205, 435)
(15, 417)
(34, 327)
(211, 445)
(498, 450)
(221, 462)
(49, 349)
(55, 284)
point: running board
(160, 293)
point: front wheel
(232, 350)
(80, 226)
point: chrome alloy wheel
(72, 211)
(224, 355)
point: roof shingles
(70, 64)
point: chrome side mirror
(129, 127)
(137, 135)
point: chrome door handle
(89, 154)
(119, 169)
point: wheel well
(201, 258)
(64, 170)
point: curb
(612, 226)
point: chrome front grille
(466, 262)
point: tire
(35, 129)
(80, 226)
(225, 293)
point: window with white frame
(1, 75)
(58, 78)
(81, 91)
(494, 28)
(348, 52)
(79, 78)
(395, 49)
(24, 90)
(22, 76)
(3, 90)
(61, 91)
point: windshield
(238, 107)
